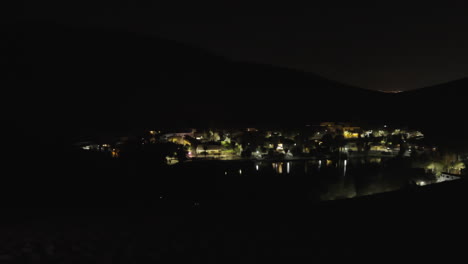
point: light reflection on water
(293, 167)
(309, 179)
(279, 167)
(331, 179)
(303, 167)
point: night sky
(381, 47)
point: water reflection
(315, 179)
(344, 167)
(337, 179)
(279, 167)
(315, 166)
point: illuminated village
(329, 141)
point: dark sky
(380, 46)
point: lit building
(415, 134)
(178, 140)
(445, 176)
(209, 149)
(280, 147)
(349, 134)
(379, 133)
(166, 136)
(380, 148)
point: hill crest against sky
(129, 70)
(62, 77)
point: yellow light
(280, 168)
(114, 153)
(348, 134)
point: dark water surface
(299, 180)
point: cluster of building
(311, 140)
(325, 141)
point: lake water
(316, 180)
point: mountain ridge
(80, 79)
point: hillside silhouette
(103, 78)
(438, 110)
(83, 80)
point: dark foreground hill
(412, 225)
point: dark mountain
(63, 80)
(63, 77)
(439, 110)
